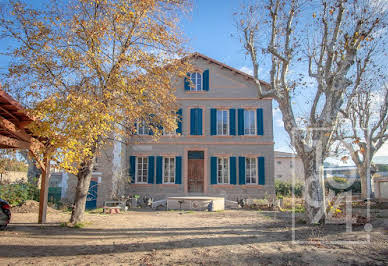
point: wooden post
(44, 184)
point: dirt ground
(232, 237)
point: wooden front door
(195, 172)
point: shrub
(19, 192)
(284, 189)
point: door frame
(186, 169)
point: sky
(209, 29)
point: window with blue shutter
(213, 122)
(178, 170)
(240, 114)
(180, 120)
(196, 121)
(232, 168)
(205, 76)
(151, 161)
(159, 170)
(187, 82)
(232, 122)
(241, 170)
(260, 121)
(213, 170)
(132, 168)
(261, 170)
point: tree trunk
(84, 175)
(362, 172)
(34, 172)
(314, 193)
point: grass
(76, 226)
(96, 211)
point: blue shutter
(241, 170)
(232, 161)
(187, 82)
(135, 128)
(199, 127)
(261, 170)
(159, 169)
(232, 122)
(196, 121)
(132, 168)
(260, 126)
(213, 170)
(240, 121)
(205, 77)
(193, 118)
(151, 162)
(213, 122)
(178, 170)
(180, 120)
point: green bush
(344, 185)
(18, 193)
(284, 189)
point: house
(288, 166)
(223, 145)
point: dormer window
(196, 80)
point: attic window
(196, 80)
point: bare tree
(321, 42)
(364, 130)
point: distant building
(287, 166)
(341, 171)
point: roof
(13, 121)
(222, 65)
(13, 110)
(280, 154)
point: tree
(321, 42)
(364, 129)
(90, 69)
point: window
(196, 79)
(222, 170)
(169, 170)
(142, 129)
(142, 170)
(168, 133)
(222, 122)
(249, 122)
(250, 171)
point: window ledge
(223, 136)
(224, 186)
(196, 92)
(252, 186)
(250, 136)
(141, 185)
(169, 185)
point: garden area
(145, 237)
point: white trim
(257, 171)
(137, 169)
(196, 79)
(254, 121)
(228, 170)
(163, 166)
(227, 121)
